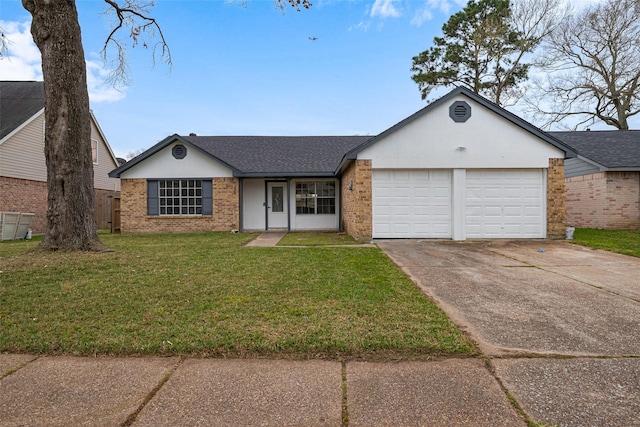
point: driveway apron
(560, 323)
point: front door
(277, 205)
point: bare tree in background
(71, 211)
(591, 68)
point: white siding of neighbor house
(106, 163)
(485, 140)
(22, 154)
(163, 165)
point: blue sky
(252, 70)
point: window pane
(180, 197)
(277, 196)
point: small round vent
(179, 151)
(460, 111)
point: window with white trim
(316, 197)
(180, 197)
(94, 151)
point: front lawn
(207, 294)
(624, 242)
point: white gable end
(163, 165)
(436, 141)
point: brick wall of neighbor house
(609, 200)
(357, 202)
(134, 218)
(22, 195)
(556, 208)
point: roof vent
(460, 111)
(179, 151)
(192, 134)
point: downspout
(240, 207)
(340, 204)
(289, 204)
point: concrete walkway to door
(268, 238)
(559, 323)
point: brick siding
(22, 195)
(608, 200)
(134, 218)
(556, 208)
(357, 202)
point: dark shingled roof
(610, 148)
(282, 155)
(19, 101)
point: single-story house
(460, 168)
(23, 168)
(603, 181)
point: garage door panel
(505, 203)
(414, 204)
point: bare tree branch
(592, 67)
(134, 15)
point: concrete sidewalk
(267, 239)
(63, 391)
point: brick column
(357, 200)
(555, 199)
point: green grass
(316, 238)
(208, 295)
(624, 242)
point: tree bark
(71, 211)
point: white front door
(277, 205)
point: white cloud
(385, 9)
(423, 15)
(97, 83)
(22, 61)
(362, 25)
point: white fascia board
(19, 128)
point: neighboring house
(603, 182)
(460, 168)
(23, 171)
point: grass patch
(317, 238)
(208, 295)
(620, 241)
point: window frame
(316, 191)
(154, 198)
(93, 140)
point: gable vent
(460, 111)
(179, 151)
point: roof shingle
(611, 148)
(265, 155)
(19, 101)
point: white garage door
(411, 203)
(505, 203)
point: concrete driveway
(559, 323)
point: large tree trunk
(71, 212)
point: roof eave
(21, 126)
(160, 146)
(284, 175)
(569, 152)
